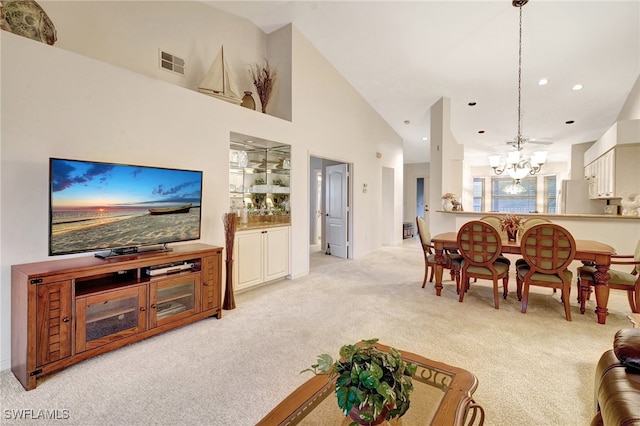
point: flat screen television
(120, 208)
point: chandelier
(516, 164)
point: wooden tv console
(65, 311)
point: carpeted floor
(533, 369)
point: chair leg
(566, 292)
(426, 273)
(525, 297)
(433, 271)
(518, 287)
(496, 298)
(463, 282)
(584, 289)
(505, 286)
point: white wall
(129, 34)
(335, 122)
(56, 103)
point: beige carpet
(533, 369)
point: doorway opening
(330, 221)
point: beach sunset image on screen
(97, 206)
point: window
(550, 194)
(501, 201)
(478, 194)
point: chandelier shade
(516, 164)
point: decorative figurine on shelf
(247, 101)
(27, 19)
(450, 202)
(630, 204)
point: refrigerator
(574, 198)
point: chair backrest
(493, 221)
(548, 248)
(479, 243)
(533, 221)
(423, 232)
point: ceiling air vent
(171, 63)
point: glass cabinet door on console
(109, 316)
(174, 299)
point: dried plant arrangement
(263, 78)
(230, 223)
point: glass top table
(442, 395)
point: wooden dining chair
(480, 246)
(528, 223)
(495, 222)
(452, 259)
(618, 280)
(548, 250)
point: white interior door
(317, 214)
(336, 212)
(422, 197)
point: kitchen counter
(547, 215)
(620, 232)
(260, 225)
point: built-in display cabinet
(65, 311)
(259, 180)
(260, 193)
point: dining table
(589, 252)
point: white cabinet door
(248, 258)
(260, 255)
(610, 171)
(276, 253)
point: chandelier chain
(519, 135)
(518, 165)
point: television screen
(119, 207)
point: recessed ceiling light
(472, 104)
(424, 138)
(542, 82)
(406, 122)
(577, 87)
(569, 122)
(480, 131)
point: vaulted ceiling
(403, 56)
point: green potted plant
(371, 385)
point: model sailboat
(219, 81)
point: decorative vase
(247, 101)
(229, 300)
(354, 414)
(512, 235)
(447, 205)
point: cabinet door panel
(249, 258)
(211, 282)
(53, 313)
(276, 253)
(107, 317)
(174, 299)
